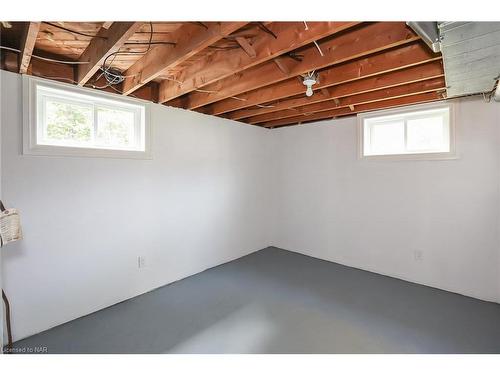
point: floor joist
(108, 41)
(406, 89)
(290, 35)
(400, 77)
(190, 39)
(345, 111)
(276, 97)
(352, 44)
(28, 45)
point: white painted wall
(373, 214)
(201, 201)
(217, 190)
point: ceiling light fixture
(309, 80)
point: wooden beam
(190, 39)
(281, 66)
(389, 103)
(380, 63)
(363, 41)
(416, 73)
(66, 73)
(99, 48)
(290, 36)
(433, 84)
(27, 45)
(246, 46)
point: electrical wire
(240, 99)
(150, 43)
(319, 49)
(46, 58)
(61, 79)
(174, 80)
(74, 31)
(206, 91)
(113, 76)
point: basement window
(67, 120)
(416, 132)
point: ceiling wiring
(74, 31)
(150, 43)
(71, 62)
(240, 99)
(59, 79)
(114, 76)
(319, 49)
(174, 80)
(200, 24)
(266, 29)
(207, 91)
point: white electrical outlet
(418, 255)
(141, 261)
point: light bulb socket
(309, 80)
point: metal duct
(429, 33)
(471, 57)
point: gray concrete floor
(275, 301)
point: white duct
(429, 33)
(471, 57)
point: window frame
(449, 155)
(32, 127)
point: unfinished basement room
(249, 187)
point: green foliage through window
(68, 122)
(75, 123)
(114, 127)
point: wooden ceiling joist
(189, 39)
(380, 63)
(27, 45)
(246, 46)
(289, 36)
(406, 89)
(412, 74)
(65, 73)
(366, 40)
(108, 41)
(245, 71)
(333, 113)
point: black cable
(132, 52)
(116, 77)
(152, 43)
(74, 31)
(200, 24)
(267, 30)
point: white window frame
(452, 154)
(31, 126)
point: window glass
(387, 138)
(405, 132)
(67, 123)
(115, 127)
(427, 134)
